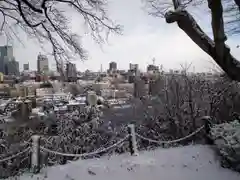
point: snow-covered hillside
(183, 163)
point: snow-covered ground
(183, 163)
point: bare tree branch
(216, 48)
(46, 21)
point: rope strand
(172, 141)
(86, 154)
(105, 149)
(15, 155)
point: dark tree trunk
(216, 48)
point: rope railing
(86, 154)
(36, 148)
(15, 155)
(171, 141)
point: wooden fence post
(132, 140)
(208, 124)
(35, 154)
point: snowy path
(185, 163)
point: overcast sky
(144, 38)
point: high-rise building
(71, 71)
(8, 64)
(133, 67)
(42, 63)
(26, 67)
(13, 67)
(152, 68)
(112, 66)
(6, 54)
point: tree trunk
(216, 48)
(218, 28)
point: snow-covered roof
(81, 98)
(72, 102)
(36, 110)
(61, 108)
(41, 114)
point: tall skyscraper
(8, 64)
(42, 63)
(6, 52)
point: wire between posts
(172, 141)
(86, 154)
(15, 155)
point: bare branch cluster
(177, 109)
(74, 135)
(216, 47)
(159, 8)
(47, 21)
(231, 16)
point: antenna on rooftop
(153, 60)
(161, 67)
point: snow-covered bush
(174, 113)
(180, 103)
(76, 134)
(227, 139)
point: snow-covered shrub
(227, 139)
(76, 134)
(177, 109)
(173, 114)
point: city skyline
(48, 67)
(143, 39)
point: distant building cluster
(112, 83)
(9, 69)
